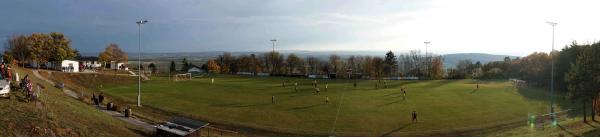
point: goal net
(180, 77)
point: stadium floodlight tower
(273, 41)
(553, 116)
(273, 56)
(426, 57)
(140, 23)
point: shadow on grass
(565, 130)
(538, 94)
(142, 133)
(593, 133)
(306, 107)
(395, 130)
(589, 124)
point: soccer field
(442, 105)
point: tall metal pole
(140, 23)
(273, 56)
(553, 24)
(139, 65)
(273, 41)
(427, 59)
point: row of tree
(577, 71)
(39, 48)
(275, 63)
(51, 47)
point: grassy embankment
(56, 114)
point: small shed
(180, 127)
(90, 62)
(69, 66)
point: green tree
(564, 60)
(390, 63)
(185, 63)
(172, 67)
(60, 48)
(536, 69)
(40, 49)
(583, 77)
(113, 52)
(7, 57)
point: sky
(508, 27)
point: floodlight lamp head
(551, 23)
(140, 22)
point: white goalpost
(184, 76)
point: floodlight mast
(273, 41)
(140, 23)
(427, 58)
(273, 56)
(553, 116)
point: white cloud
(513, 27)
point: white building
(91, 64)
(195, 69)
(118, 65)
(69, 66)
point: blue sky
(514, 27)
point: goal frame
(183, 76)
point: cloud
(513, 27)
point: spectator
(2, 70)
(100, 98)
(8, 74)
(24, 82)
(94, 100)
(29, 89)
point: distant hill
(450, 60)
